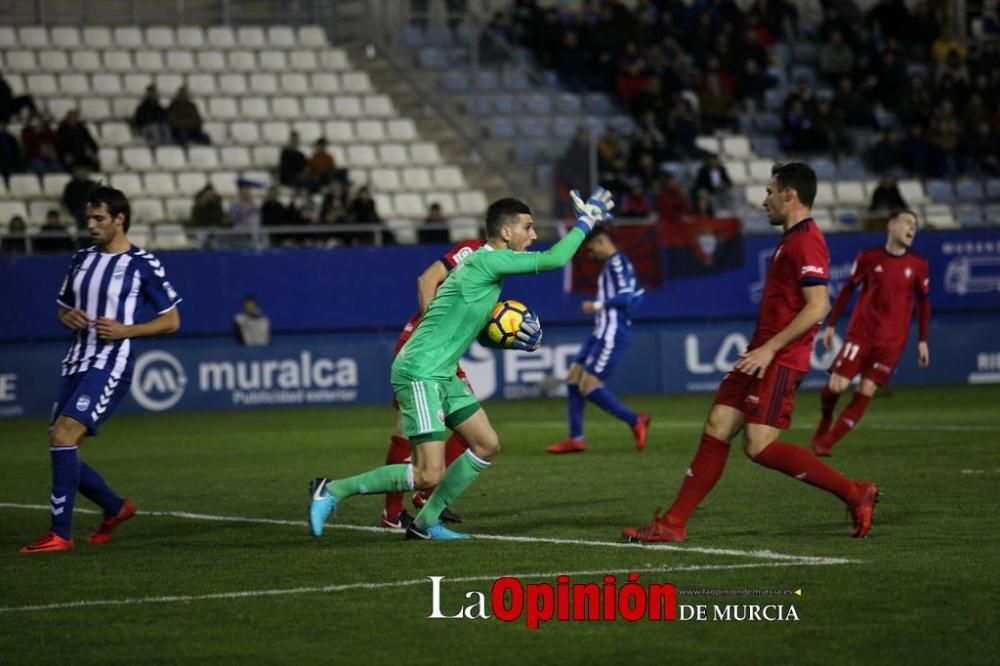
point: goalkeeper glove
(529, 334)
(594, 210)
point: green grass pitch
(207, 588)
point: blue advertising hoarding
(353, 368)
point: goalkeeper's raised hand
(594, 210)
(529, 334)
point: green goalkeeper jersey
(463, 305)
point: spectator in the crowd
(954, 67)
(14, 241)
(272, 212)
(892, 19)
(492, 38)
(333, 207)
(981, 150)
(11, 104)
(292, 166)
(435, 216)
(573, 167)
(363, 211)
(836, 58)
(715, 97)
(53, 235)
(780, 17)
(150, 119)
(886, 197)
(185, 120)
(703, 204)
(635, 203)
(610, 149)
(76, 145)
(207, 209)
(250, 325)
(712, 176)
(917, 153)
(671, 201)
(752, 82)
(322, 169)
(302, 208)
(683, 125)
(10, 153)
(944, 134)
(917, 102)
(798, 134)
(76, 194)
(830, 129)
(856, 107)
(244, 214)
(887, 155)
(39, 141)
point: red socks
(702, 475)
(803, 465)
(399, 452)
(453, 448)
(848, 419)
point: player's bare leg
(706, 468)
(849, 417)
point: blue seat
(533, 127)
(851, 168)
(439, 35)
(598, 103)
(803, 73)
(993, 189)
(515, 79)
(487, 80)
(564, 127)
(767, 122)
(569, 103)
(454, 81)
(969, 215)
(969, 190)
(992, 215)
(432, 58)
(480, 105)
(766, 146)
(505, 103)
(940, 191)
(538, 104)
(413, 37)
(501, 128)
(825, 168)
(466, 34)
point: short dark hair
(115, 200)
(503, 211)
(597, 232)
(903, 211)
(797, 176)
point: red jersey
(882, 315)
(801, 260)
(453, 257)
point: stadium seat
(53, 61)
(95, 108)
(991, 213)
(38, 210)
(294, 84)
(107, 84)
(386, 180)
(149, 61)
(201, 84)
(33, 36)
(97, 35)
(224, 182)
(223, 108)
(159, 185)
(24, 185)
(58, 106)
(969, 215)
(65, 37)
(189, 182)
(362, 155)
(147, 210)
(181, 61)
(275, 132)
(233, 84)
(449, 178)
(251, 37)
(140, 235)
(309, 131)
(273, 61)
(708, 143)
(265, 157)
(216, 131)
(285, 107)
(137, 159)
(371, 131)
(178, 208)
(404, 231)
(417, 178)
(212, 61)
(357, 83)
(471, 203)
(847, 219)
(379, 105)
(402, 129)
(825, 195)
(116, 134)
(108, 157)
(235, 157)
(221, 37)
(315, 107)
(171, 158)
(129, 183)
(21, 61)
(339, 131)
(8, 40)
(851, 193)
(190, 37)
(311, 36)
(305, 61)
(940, 216)
(993, 189)
(245, 133)
(73, 84)
(324, 82)
(824, 220)
(263, 84)
(912, 192)
(161, 37)
(968, 190)
(409, 204)
(825, 168)
(203, 157)
(444, 199)
(254, 108)
(129, 37)
(463, 228)
(738, 173)
(280, 36)
(170, 236)
(736, 147)
(383, 204)
(760, 171)
(347, 106)
(754, 195)
(940, 191)
(425, 153)
(333, 59)
(242, 61)
(169, 82)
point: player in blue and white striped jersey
(618, 293)
(107, 288)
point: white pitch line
(669, 424)
(131, 601)
(759, 554)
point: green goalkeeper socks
(457, 478)
(387, 479)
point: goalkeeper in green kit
(431, 398)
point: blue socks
(65, 480)
(93, 487)
(607, 401)
(576, 405)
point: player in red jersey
(757, 395)
(394, 515)
(879, 326)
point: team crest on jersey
(118, 274)
(82, 403)
(441, 415)
(908, 272)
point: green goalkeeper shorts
(429, 407)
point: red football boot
(568, 445)
(48, 543)
(658, 530)
(641, 430)
(108, 525)
(863, 507)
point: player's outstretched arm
(111, 329)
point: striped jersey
(114, 286)
(619, 291)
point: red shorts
(403, 337)
(767, 401)
(874, 363)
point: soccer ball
(505, 320)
